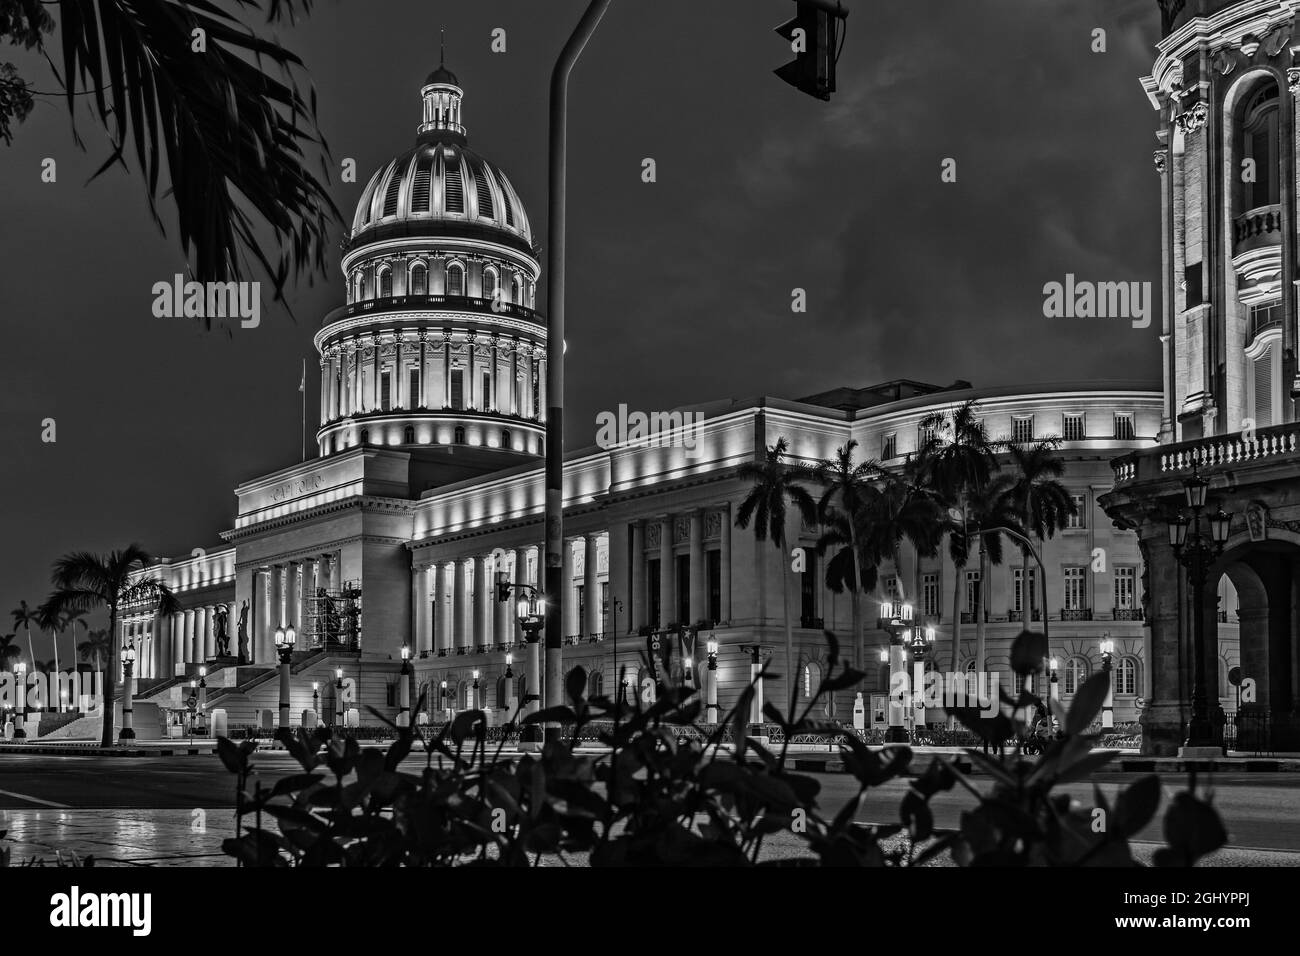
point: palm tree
(1043, 504)
(988, 507)
(85, 581)
(25, 617)
(845, 482)
(95, 644)
(73, 619)
(7, 650)
(955, 460)
(776, 485)
(225, 136)
(49, 619)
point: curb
(1144, 765)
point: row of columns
(164, 643)
(698, 597)
(455, 602)
(347, 390)
(281, 597)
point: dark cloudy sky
(679, 291)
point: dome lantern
(442, 96)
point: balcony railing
(460, 303)
(1076, 614)
(1212, 451)
(1256, 228)
(1128, 614)
(815, 623)
(1014, 614)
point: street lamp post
(203, 700)
(757, 728)
(338, 697)
(1108, 708)
(711, 684)
(1055, 690)
(128, 664)
(315, 697)
(510, 685)
(923, 640)
(1196, 548)
(285, 638)
(442, 696)
(404, 691)
(898, 622)
(474, 702)
(20, 681)
(531, 611)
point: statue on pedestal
(243, 633)
(220, 631)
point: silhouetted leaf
(1027, 652)
(1088, 701)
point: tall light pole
(1107, 647)
(128, 665)
(898, 622)
(1054, 692)
(338, 697)
(531, 611)
(404, 691)
(20, 681)
(555, 290)
(315, 697)
(474, 702)
(711, 685)
(1196, 548)
(285, 638)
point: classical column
(437, 635)
(360, 354)
(450, 632)
(295, 594)
(619, 599)
(421, 399)
(638, 596)
(567, 591)
(203, 633)
(398, 391)
(458, 603)
(420, 608)
(491, 404)
(513, 405)
(591, 627)
(724, 562)
(480, 634)
(178, 643)
(519, 576)
(277, 598)
(667, 613)
(470, 389)
(446, 370)
(541, 389)
(374, 374)
(335, 577)
(263, 615)
(324, 387)
(698, 600)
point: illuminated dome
(438, 344)
(441, 186)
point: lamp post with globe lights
(285, 639)
(404, 690)
(474, 701)
(1107, 648)
(922, 644)
(128, 665)
(315, 698)
(897, 617)
(338, 697)
(711, 683)
(1054, 689)
(1197, 542)
(531, 611)
(20, 682)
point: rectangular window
(1017, 589)
(1076, 596)
(684, 589)
(972, 591)
(930, 594)
(386, 389)
(808, 593)
(579, 625)
(1124, 426)
(714, 570)
(1125, 588)
(1080, 517)
(652, 587)
(1022, 428)
(485, 390)
(457, 389)
(413, 386)
(891, 588)
(604, 599)
(924, 436)
(1072, 427)
(888, 447)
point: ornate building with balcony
(1224, 87)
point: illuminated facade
(429, 482)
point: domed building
(438, 344)
(428, 489)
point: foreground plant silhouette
(666, 793)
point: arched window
(1259, 146)
(505, 438)
(385, 278)
(419, 279)
(503, 694)
(458, 436)
(365, 436)
(517, 290)
(1126, 676)
(408, 435)
(455, 279)
(1076, 672)
(489, 283)
(972, 680)
(595, 684)
(357, 286)
(812, 679)
(467, 695)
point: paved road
(1260, 810)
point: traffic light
(814, 35)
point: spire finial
(442, 48)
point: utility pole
(554, 513)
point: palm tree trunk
(979, 611)
(55, 635)
(958, 570)
(859, 638)
(789, 631)
(110, 679)
(30, 653)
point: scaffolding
(332, 619)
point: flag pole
(302, 388)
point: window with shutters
(454, 187)
(485, 207)
(1022, 428)
(419, 279)
(1124, 426)
(385, 283)
(1076, 593)
(888, 447)
(420, 191)
(1262, 387)
(930, 594)
(455, 279)
(1126, 676)
(390, 196)
(1072, 427)
(1080, 517)
(1125, 588)
(489, 283)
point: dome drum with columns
(439, 343)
